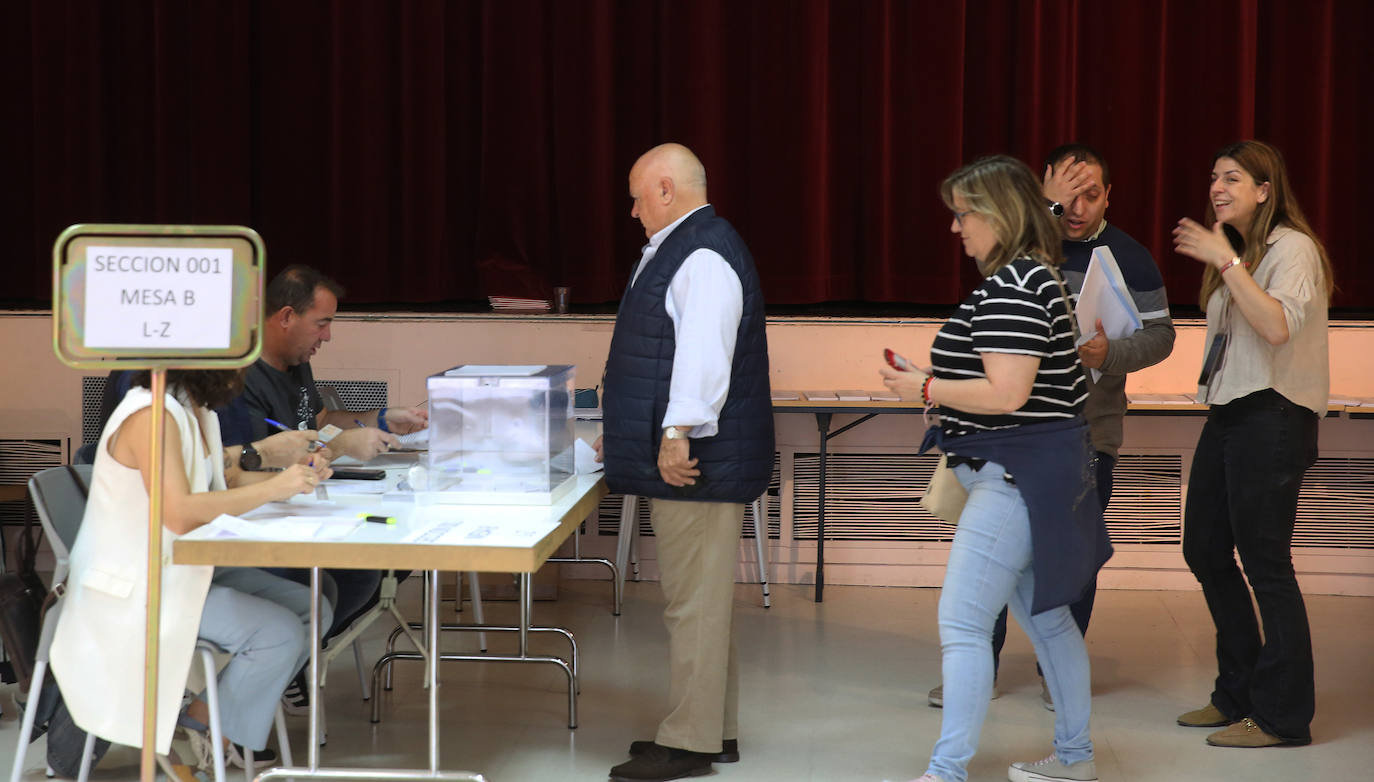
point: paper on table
(585, 457)
(1105, 296)
(288, 528)
(281, 510)
(481, 533)
(415, 441)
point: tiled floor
(836, 692)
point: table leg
(432, 669)
(823, 424)
(313, 754)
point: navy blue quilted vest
(737, 462)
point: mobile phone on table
(897, 361)
(357, 474)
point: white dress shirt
(705, 301)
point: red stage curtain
(430, 152)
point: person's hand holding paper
(1105, 308)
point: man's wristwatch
(250, 459)
(1056, 208)
(674, 433)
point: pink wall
(804, 353)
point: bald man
(689, 424)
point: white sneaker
(936, 697)
(1045, 697)
(200, 750)
(1051, 770)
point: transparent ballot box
(500, 435)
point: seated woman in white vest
(263, 620)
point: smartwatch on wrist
(250, 460)
(1056, 208)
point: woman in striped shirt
(1007, 380)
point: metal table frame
(824, 410)
(379, 546)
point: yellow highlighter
(377, 519)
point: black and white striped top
(1017, 310)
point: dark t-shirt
(289, 397)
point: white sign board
(158, 297)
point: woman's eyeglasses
(959, 216)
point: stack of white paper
(1105, 297)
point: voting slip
(1105, 296)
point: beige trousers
(698, 546)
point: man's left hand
(675, 463)
(1094, 352)
(404, 420)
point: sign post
(157, 297)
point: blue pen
(360, 423)
(314, 446)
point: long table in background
(826, 409)
(381, 547)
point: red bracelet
(925, 390)
(1226, 267)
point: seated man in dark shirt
(299, 308)
(299, 311)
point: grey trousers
(264, 622)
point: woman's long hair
(1006, 193)
(1265, 164)
(210, 388)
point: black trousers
(1083, 609)
(1243, 499)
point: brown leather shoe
(1247, 734)
(1208, 716)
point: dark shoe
(235, 756)
(658, 763)
(1208, 716)
(296, 700)
(729, 750)
(1249, 735)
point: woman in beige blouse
(1265, 378)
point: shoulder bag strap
(1068, 300)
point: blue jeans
(990, 567)
(264, 621)
(1243, 499)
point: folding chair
(627, 542)
(59, 495)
